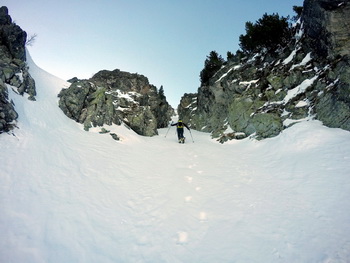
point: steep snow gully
(67, 195)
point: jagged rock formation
(13, 68)
(266, 93)
(115, 97)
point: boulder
(115, 97)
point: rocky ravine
(115, 97)
(266, 93)
(13, 69)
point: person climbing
(180, 130)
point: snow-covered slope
(67, 195)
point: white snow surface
(67, 195)
(292, 93)
(305, 60)
(290, 57)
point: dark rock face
(333, 105)
(115, 97)
(326, 24)
(12, 36)
(263, 94)
(13, 68)
(7, 110)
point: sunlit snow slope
(67, 195)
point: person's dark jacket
(180, 125)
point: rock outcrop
(115, 97)
(13, 68)
(265, 93)
(327, 25)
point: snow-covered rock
(255, 96)
(115, 97)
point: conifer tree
(212, 64)
(268, 32)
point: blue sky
(165, 40)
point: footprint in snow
(203, 216)
(189, 179)
(182, 237)
(188, 198)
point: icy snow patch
(248, 83)
(301, 104)
(290, 58)
(305, 60)
(299, 89)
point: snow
(248, 83)
(224, 75)
(20, 76)
(305, 60)
(228, 129)
(301, 104)
(253, 58)
(299, 89)
(290, 57)
(231, 69)
(300, 32)
(67, 195)
(127, 95)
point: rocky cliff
(265, 93)
(13, 69)
(115, 97)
